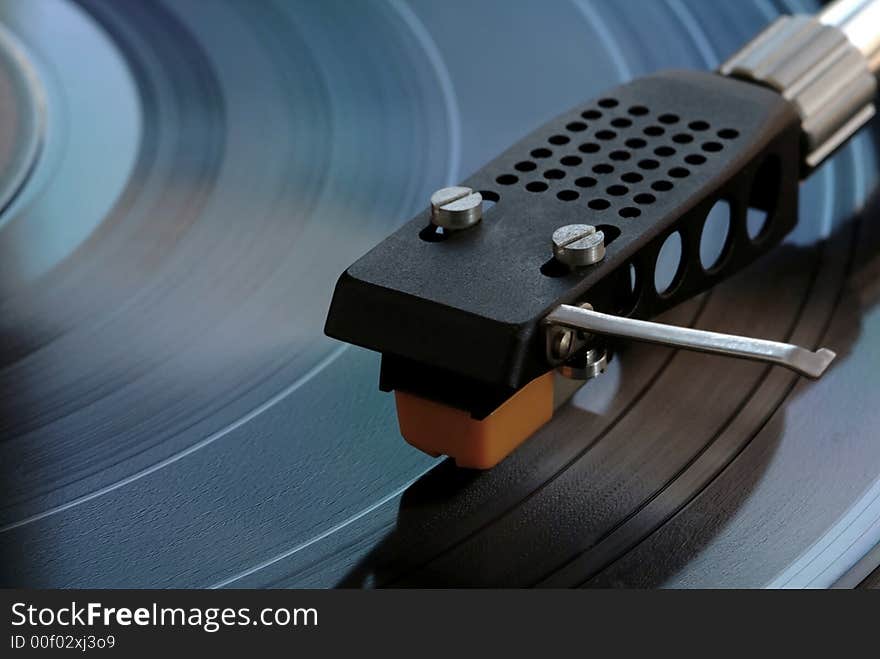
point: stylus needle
(798, 359)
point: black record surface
(171, 415)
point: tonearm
(477, 311)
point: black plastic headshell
(457, 316)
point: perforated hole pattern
(633, 163)
(619, 162)
(633, 154)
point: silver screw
(578, 245)
(562, 343)
(456, 208)
(563, 340)
(592, 363)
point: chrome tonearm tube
(825, 65)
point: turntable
(182, 184)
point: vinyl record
(195, 175)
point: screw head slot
(578, 245)
(456, 208)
